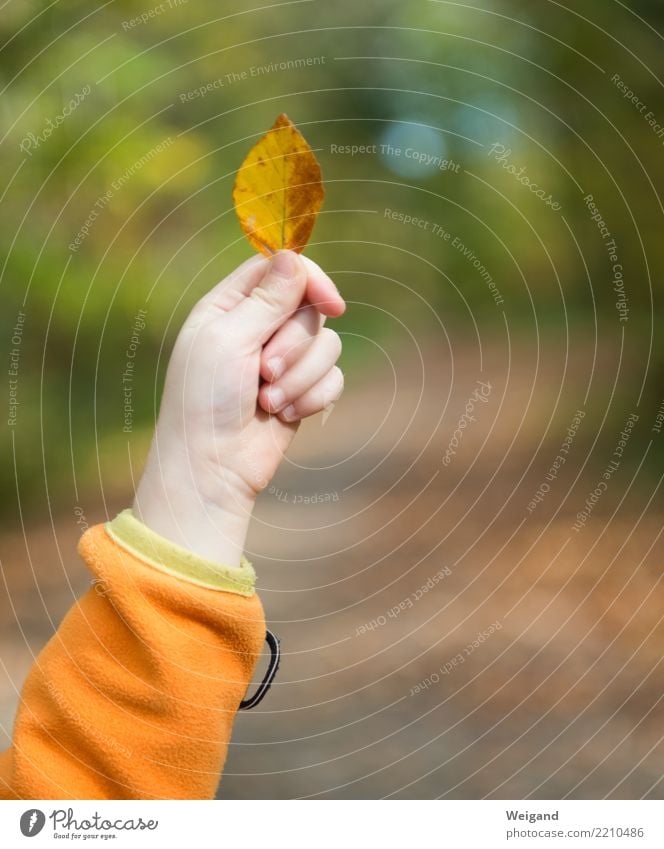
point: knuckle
(333, 339)
(266, 295)
(334, 385)
(338, 376)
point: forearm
(135, 695)
(203, 510)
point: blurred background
(469, 607)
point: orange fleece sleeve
(135, 695)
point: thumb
(273, 300)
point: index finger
(321, 291)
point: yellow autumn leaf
(278, 190)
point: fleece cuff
(135, 537)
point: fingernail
(289, 413)
(276, 397)
(276, 366)
(283, 264)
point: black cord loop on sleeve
(266, 683)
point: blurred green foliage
(534, 77)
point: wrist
(209, 519)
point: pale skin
(251, 361)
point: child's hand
(251, 361)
